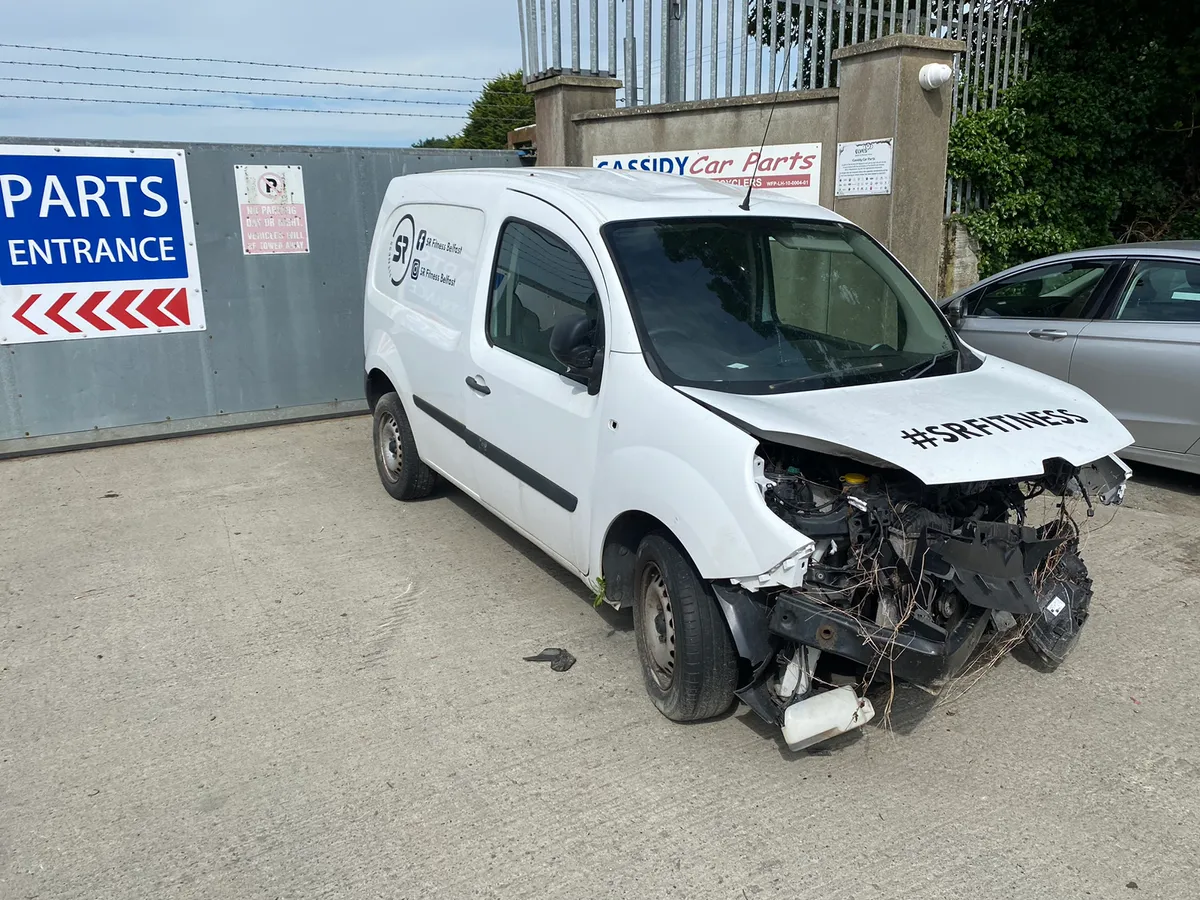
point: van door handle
(1048, 334)
(476, 383)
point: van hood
(999, 421)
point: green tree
(502, 106)
(440, 143)
(1101, 142)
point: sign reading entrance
(95, 242)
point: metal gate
(283, 332)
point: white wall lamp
(934, 75)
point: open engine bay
(906, 581)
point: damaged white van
(750, 425)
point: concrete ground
(232, 667)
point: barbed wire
(500, 120)
(198, 90)
(254, 78)
(243, 62)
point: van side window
(538, 280)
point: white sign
(271, 201)
(864, 168)
(793, 168)
(95, 242)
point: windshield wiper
(835, 373)
(925, 365)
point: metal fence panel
(282, 330)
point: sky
(469, 39)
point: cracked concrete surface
(232, 667)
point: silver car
(1122, 323)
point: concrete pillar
(556, 101)
(880, 97)
(960, 267)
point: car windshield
(768, 305)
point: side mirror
(954, 312)
(572, 343)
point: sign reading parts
(792, 168)
(271, 206)
(95, 242)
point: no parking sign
(95, 242)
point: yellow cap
(854, 478)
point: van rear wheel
(687, 656)
(403, 474)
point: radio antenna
(745, 204)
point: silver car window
(1059, 291)
(1161, 292)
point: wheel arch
(375, 384)
(619, 553)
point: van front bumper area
(884, 651)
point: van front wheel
(687, 656)
(403, 474)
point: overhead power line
(244, 62)
(197, 90)
(298, 109)
(255, 78)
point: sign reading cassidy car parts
(95, 242)
(271, 203)
(792, 168)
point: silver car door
(1142, 360)
(1033, 316)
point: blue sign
(96, 242)
(78, 219)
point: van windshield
(769, 305)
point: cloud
(477, 38)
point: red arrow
(87, 311)
(178, 307)
(54, 314)
(151, 308)
(120, 310)
(19, 315)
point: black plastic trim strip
(440, 417)
(556, 494)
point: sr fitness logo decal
(402, 249)
(985, 426)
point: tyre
(687, 655)
(1065, 593)
(403, 474)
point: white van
(752, 426)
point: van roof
(615, 194)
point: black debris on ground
(560, 660)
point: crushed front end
(906, 582)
